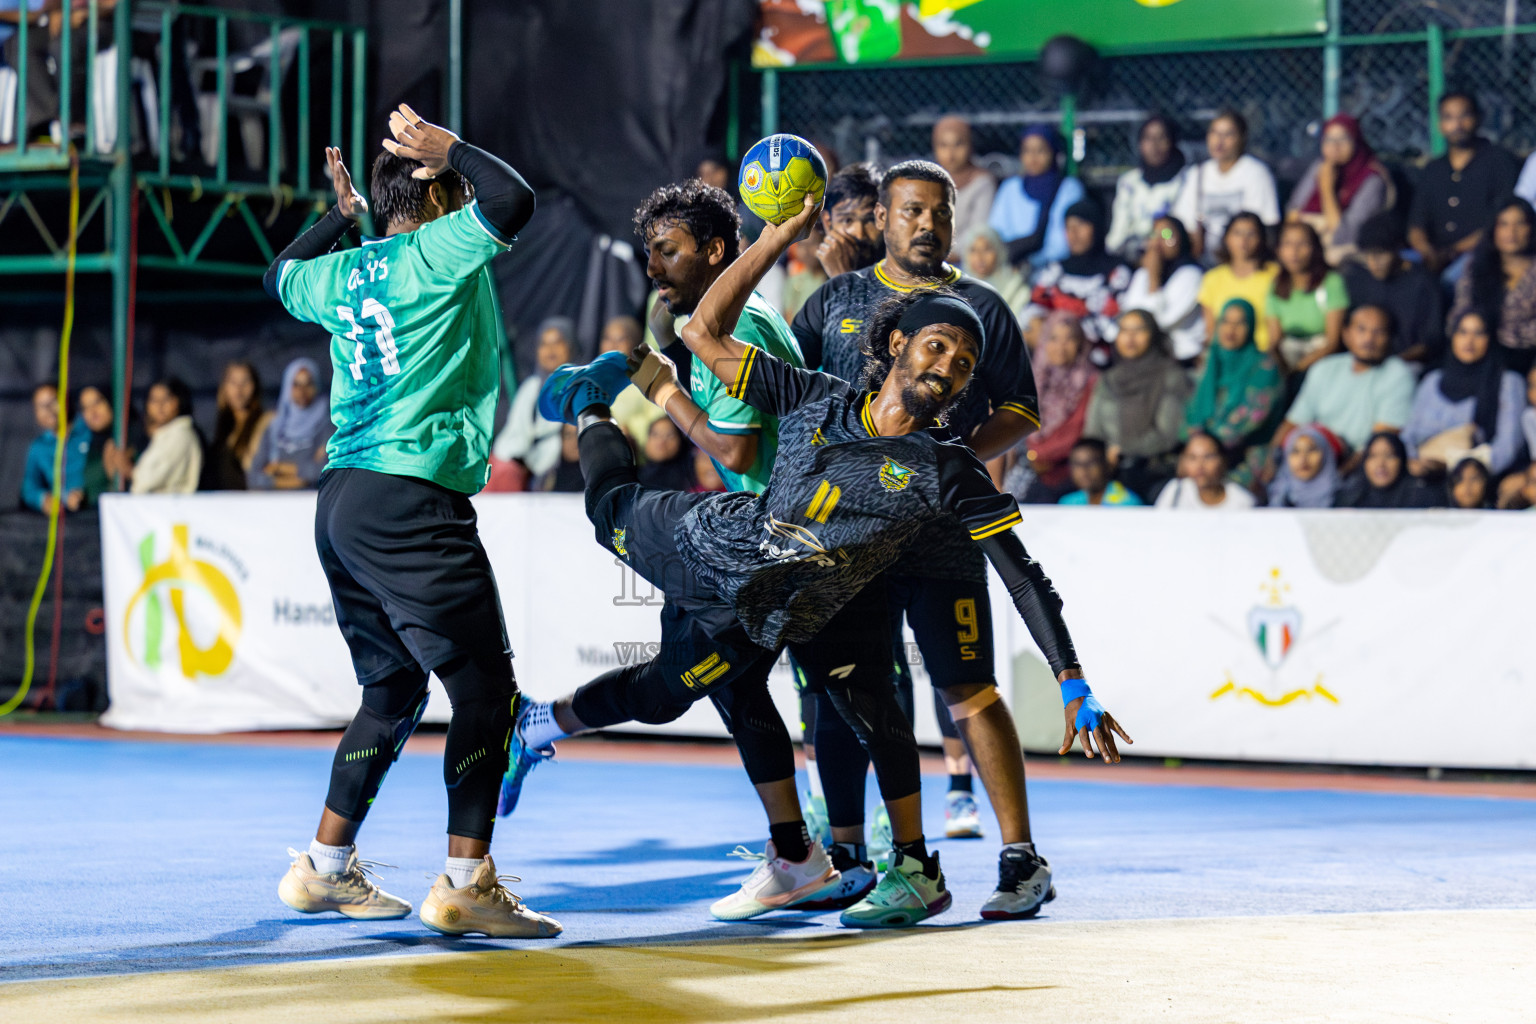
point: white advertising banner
(219, 618)
(1330, 636)
(1327, 636)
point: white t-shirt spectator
(1175, 306)
(1183, 493)
(1210, 198)
(1137, 205)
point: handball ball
(778, 173)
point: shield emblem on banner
(1275, 631)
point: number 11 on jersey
(383, 336)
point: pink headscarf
(1062, 387)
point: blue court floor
(123, 857)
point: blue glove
(1091, 712)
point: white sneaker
(857, 880)
(347, 892)
(776, 882)
(484, 906)
(962, 820)
(1023, 887)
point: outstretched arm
(708, 333)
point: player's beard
(919, 400)
(921, 265)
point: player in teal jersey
(415, 354)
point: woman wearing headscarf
(292, 451)
(668, 457)
(1499, 279)
(986, 259)
(1470, 404)
(1038, 470)
(1344, 187)
(1383, 480)
(1237, 400)
(1137, 408)
(1309, 472)
(1087, 284)
(1146, 191)
(1167, 285)
(1029, 210)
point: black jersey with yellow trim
(831, 323)
(842, 504)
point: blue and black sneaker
(521, 759)
(572, 389)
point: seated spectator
(1086, 284)
(1245, 269)
(1359, 392)
(173, 460)
(1089, 467)
(37, 479)
(975, 187)
(1458, 194)
(705, 475)
(1379, 276)
(1470, 404)
(1383, 480)
(1469, 484)
(986, 259)
(1216, 190)
(1343, 188)
(1137, 407)
(1148, 190)
(805, 272)
(1520, 492)
(1167, 285)
(1237, 400)
(1528, 417)
(291, 453)
(668, 458)
(1065, 378)
(631, 411)
(1307, 302)
(1029, 211)
(1501, 278)
(527, 437)
(853, 241)
(93, 441)
(237, 431)
(565, 477)
(1202, 481)
(1309, 472)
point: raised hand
(348, 199)
(415, 139)
(792, 230)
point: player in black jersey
(858, 476)
(940, 585)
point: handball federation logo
(752, 177)
(1274, 627)
(203, 602)
(621, 541)
(894, 476)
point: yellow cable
(63, 435)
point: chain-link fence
(1386, 57)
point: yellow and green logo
(202, 599)
(894, 476)
(621, 541)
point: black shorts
(952, 621)
(853, 649)
(411, 584)
(639, 524)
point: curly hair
(875, 341)
(398, 198)
(707, 212)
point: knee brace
(370, 746)
(882, 729)
(767, 752)
(634, 693)
(475, 751)
(607, 462)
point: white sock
(330, 860)
(814, 776)
(539, 728)
(460, 870)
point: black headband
(932, 309)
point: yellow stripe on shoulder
(992, 529)
(1020, 410)
(739, 386)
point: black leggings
(474, 757)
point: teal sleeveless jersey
(415, 348)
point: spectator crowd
(1197, 342)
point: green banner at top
(800, 32)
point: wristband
(1091, 712)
